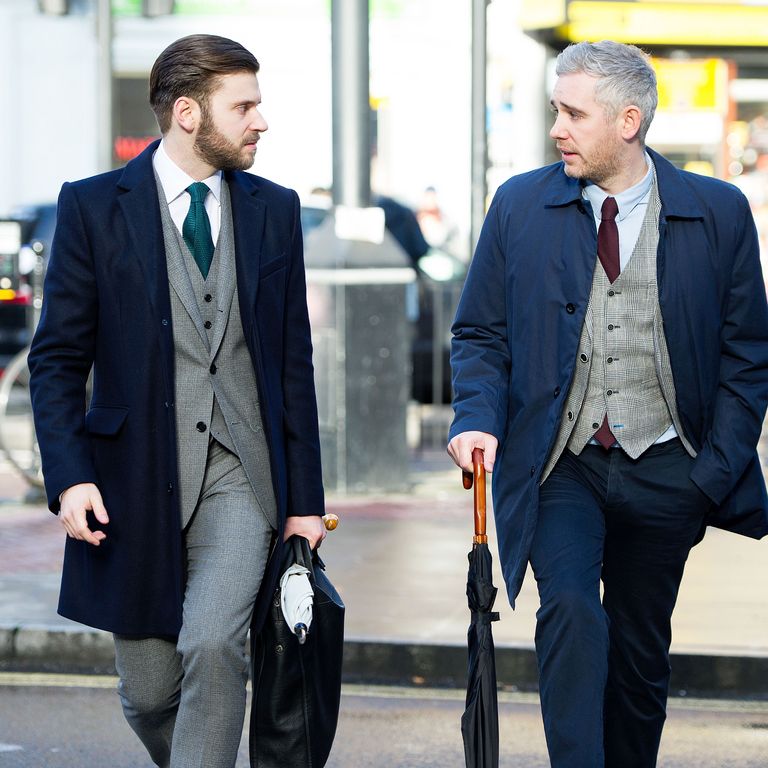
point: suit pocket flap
(105, 419)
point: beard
(604, 163)
(218, 151)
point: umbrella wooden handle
(330, 521)
(477, 479)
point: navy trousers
(604, 664)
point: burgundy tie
(608, 253)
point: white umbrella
(296, 599)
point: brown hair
(192, 67)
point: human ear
(186, 113)
(630, 119)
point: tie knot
(198, 191)
(609, 209)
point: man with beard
(612, 343)
(180, 281)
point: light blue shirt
(632, 203)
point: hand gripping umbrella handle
(479, 483)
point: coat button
(583, 358)
(569, 308)
(170, 487)
(212, 369)
(556, 392)
(533, 471)
(207, 324)
(208, 297)
(200, 426)
(164, 321)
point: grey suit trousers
(186, 700)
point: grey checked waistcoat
(622, 366)
(217, 394)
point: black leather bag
(297, 688)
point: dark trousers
(604, 665)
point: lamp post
(479, 132)
(350, 103)
(104, 33)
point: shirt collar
(175, 181)
(627, 200)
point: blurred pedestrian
(612, 344)
(180, 280)
(438, 231)
(402, 224)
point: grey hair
(624, 76)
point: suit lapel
(225, 281)
(182, 286)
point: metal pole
(351, 109)
(104, 83)
(479, 185)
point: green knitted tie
(197, 228)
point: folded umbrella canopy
(480, 721)
(296, 600)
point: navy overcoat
(520, 317)
(107, 306)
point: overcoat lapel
(248, 213)
(139, 203)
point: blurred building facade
(420, 82)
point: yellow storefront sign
(692, 85)
(650, 22)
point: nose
(259, 123)
(557, 131)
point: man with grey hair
(610, 357)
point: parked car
(32, 224)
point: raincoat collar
(676, 195)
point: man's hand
(460, 449)
(76, 501)
(311, 528)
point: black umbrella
(480, 721)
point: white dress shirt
(175, 183)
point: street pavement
(399, 562)
(76, 722)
